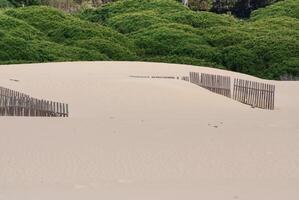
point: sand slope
(131, 138)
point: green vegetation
(42, 34)
(287, 8)
(5, 4)
(267, 45)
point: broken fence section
(260, 95)
(185, 78)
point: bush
(287, 70)
(200, 19)
(181, 60)
(162, 40)
(5, 4)
(68, 30)
(240, 59)
(287, 8)
(156, 30)
(132, 6)
(112, 50)
(131, 22)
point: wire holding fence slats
(260, 95)
(14, 103)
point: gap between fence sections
(260, 95)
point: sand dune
(130, 138)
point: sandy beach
(134, 138)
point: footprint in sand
(215, 126)
(15, 80)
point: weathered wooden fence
(256, 94)
(9, 93)
(185, 78)
(215, 83)
(13, 103)
(194, 78)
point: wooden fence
(5, 92)
(215, 83)
(194, 78)
(13, 103)
(256, 94)
(185, 78)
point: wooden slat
(15, 103)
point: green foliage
(167, 32)
(287, 70)
(287, 8)
(113, 50)
(200, 19)
(131, 22)
(5, 4)
(156, 30)
(181, 60)
(41, 34)
(19, 3)
(200, 5)
(132, 6)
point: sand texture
(133, 138)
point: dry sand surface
(130, 138)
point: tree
(240, 8)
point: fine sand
(133, 138)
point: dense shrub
(289, 8)
(240, 59)
(69, 31)
(62, 27)
(200, 19)
(181, 60)
(14, 48)
(132, 6)
(131, 22)
(113, 50)
(156, 30)
(5, 4)
(223, 36)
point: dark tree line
(239, 8)
(243, 8)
